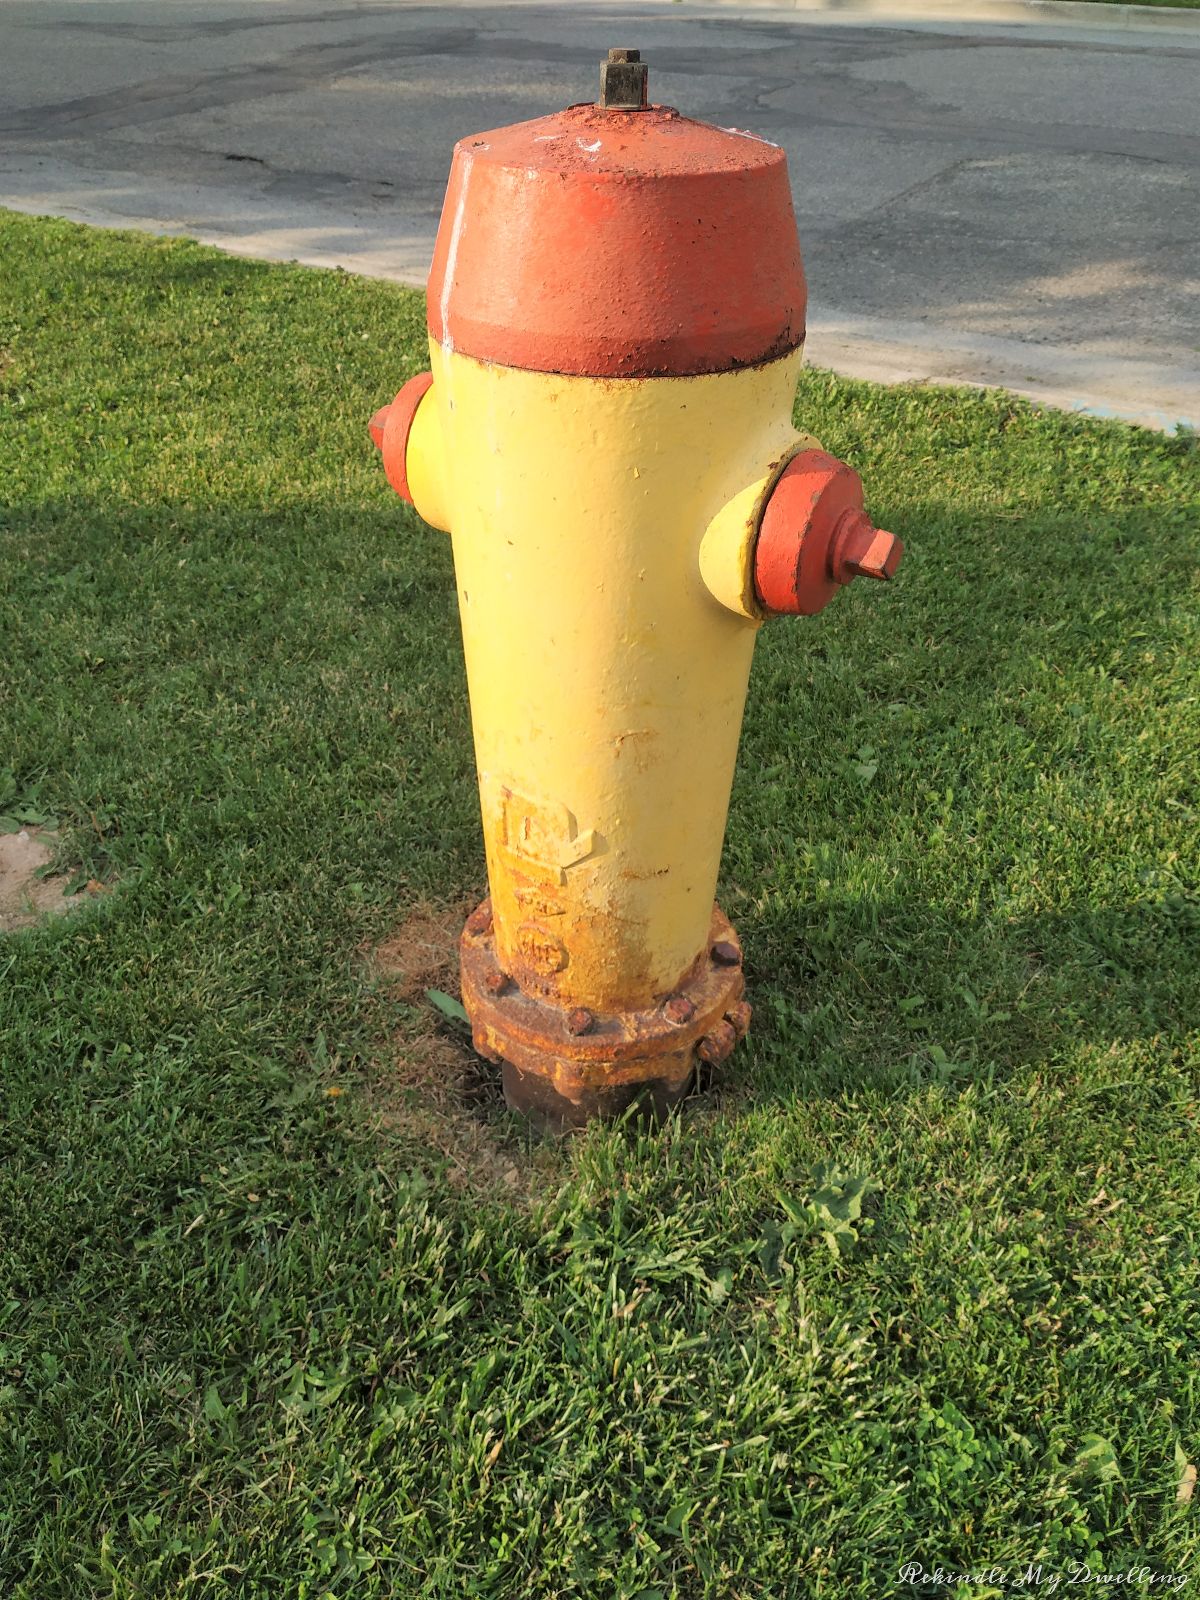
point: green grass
(261, 1339)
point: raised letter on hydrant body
(616, 324)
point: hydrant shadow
(971, 999)
(958, 842)
(951, 851)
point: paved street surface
(1015, 206)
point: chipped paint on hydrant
(616, 324)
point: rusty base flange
(564, 1065)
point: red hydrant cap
(618, 243)
(391, 426)
(814, 536)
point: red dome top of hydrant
(618, 241)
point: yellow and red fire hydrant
(616, 324)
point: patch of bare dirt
(26, 898)
(438, 1092)
(422, 953)
(435, 1089)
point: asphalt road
(1017, 206)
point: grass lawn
(289, 1305)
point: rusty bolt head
(496, 983)
(717, 1046)
(726, 954)
(580, 1020)
(623, 81)
(739, 1018)
(679, 1009)
(479, 922)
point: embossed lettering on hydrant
(542, 836)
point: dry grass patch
(422, 953)
(435, 1089)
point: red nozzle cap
(814, 536)
(391, 426)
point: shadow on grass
(990, 996)
(1017, 661)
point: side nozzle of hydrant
(406, 433)
(790, 540)
(814, 537)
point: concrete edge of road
(880, 350)
(1092, 15)
(1083, 383)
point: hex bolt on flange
(739, 1017)
(580, 1021)
(717, 1046)
(679, 1010)
(726, 954)
(496, 983)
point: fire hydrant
(616, 325)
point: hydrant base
(565, 1065)
(534, 1097)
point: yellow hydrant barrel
(616, 320)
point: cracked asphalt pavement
(976, 204)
